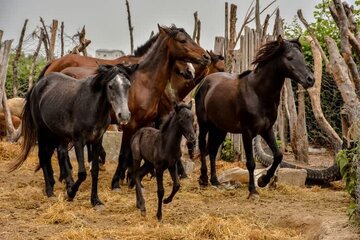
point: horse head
(294, 62)
(185, 118)
(117, 84)
(182, 47)
(217, 62)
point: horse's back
(220, 101)
(144, 142)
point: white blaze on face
(120, 103)
(191, 69)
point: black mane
(273, 50)
(140, 51)
(244, 73)
(105, 73)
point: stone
(293, 177)
(188, 166)
(111, 144)
(239, 175)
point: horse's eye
(289, 58)
(110, 87)
(183, 41)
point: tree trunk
(16, 60)
(301, 132)
(4, 60)
(343, 81)
(53, 39)
(46, 40)
(33, 62)
(343, 25)
(131, 28)
(314, 94)
(226, 36)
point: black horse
(161, 150)
(248, 104)
(60, 109)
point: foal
(161, 150)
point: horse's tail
(29, 133)
(42, 73)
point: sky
(106, 21)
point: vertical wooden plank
(219, 45)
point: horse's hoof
(116, 190)
(215, 182)
(254, 196)
(99, 207)
(70, 195)
(143, 213)
(115, 184)
(167, 200)
(261, 181)
(203, 182)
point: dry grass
(283, 213)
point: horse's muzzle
(124, 118)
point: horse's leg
(94, 158)
(160, 192)
(250, 164)
(79, 150)
(176, 183)
(269, 137)
(203, 130)
(140, 201)
(216, 137)
(45, 152)
(64, 164)
(122, 165)
(180, 170)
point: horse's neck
(267, 82)
(157, 65)
(186, 86)
(100, 105)
(171, 137)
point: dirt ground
(282, 213)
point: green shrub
(227, 150)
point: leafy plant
(227, 150)
(346, 160)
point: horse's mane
(165, 125)
(272, 50)
(140, 51)
(244, 73)
(105, 73)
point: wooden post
(16, 60)
(62, 38)
(226, 31)
(131, 28)
(46, 40)
(219, 45)
(4, 60)
(233, 19)
(54, 27)
(198, 32)
(195, 25)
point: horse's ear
(280, 40)
(131, 68)
(161, 29)
(176, 106)
(189, 105)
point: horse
(160, 149)
(149, 82)
(15, 105)
(247, 103)
(15, 120)
(180, 88)
(60, 109)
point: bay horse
(160, 149)
(149, 82)
(248, 104)
(60, 109)
(180, 88)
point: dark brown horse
(149, 82)
(248, 104)
(160, 149)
